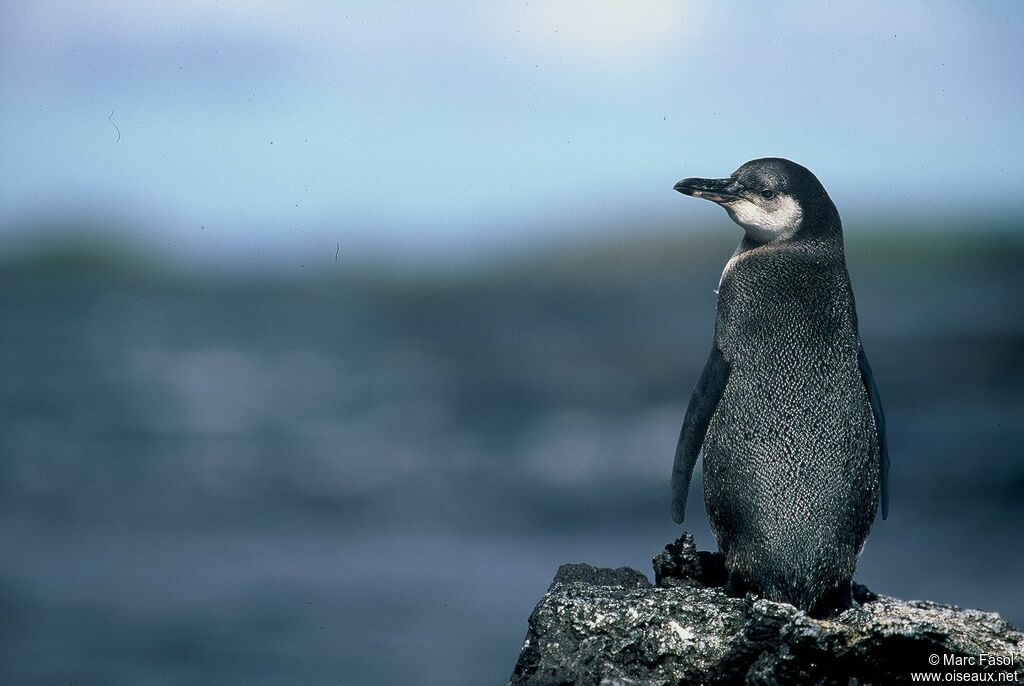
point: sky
(239, 132)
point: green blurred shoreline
(91, 253)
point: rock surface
(613, 628)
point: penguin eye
(767, 195)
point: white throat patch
(766, 225)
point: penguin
(786, 412)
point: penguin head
(769, 197)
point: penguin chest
(790, 450)
(791, 478)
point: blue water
(350, 481)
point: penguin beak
(716, 190)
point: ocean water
(351, 480)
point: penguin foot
(736, 586)
(834, 602)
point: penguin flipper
(876, 410)
(702, 407)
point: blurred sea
(351, 478)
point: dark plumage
(786, 411)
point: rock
(682, 564)
(613, 628)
